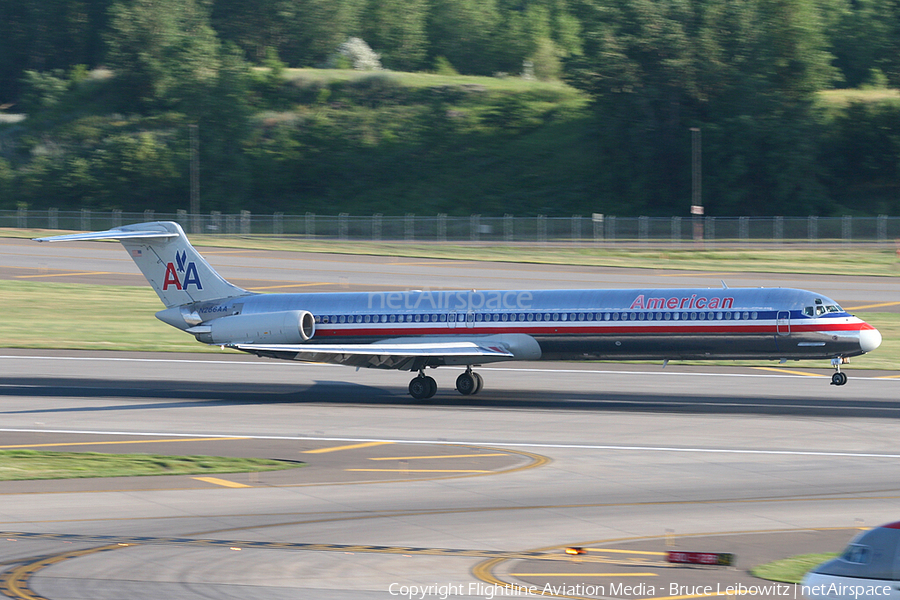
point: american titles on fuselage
(682, 303)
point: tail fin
(162, 252)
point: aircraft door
(783, 322)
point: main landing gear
(423, 387)
(838, 378)
(469, 383)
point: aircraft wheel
(420, 388)
(432, 386)
(480, 381)
(839, 379)
(467, 384)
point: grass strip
(791, 569)
(822, 259)
(34, 464)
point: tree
(463, 32)
(396, 30)
(746, 72)
(159, 48)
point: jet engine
(288, 327)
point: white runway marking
(295, 364)
(472, 443)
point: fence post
(643, 228)
(309, 225)
(53, 219)
(812, 229)
(710, 229)
(882, 228)
(676, 230)
(22, 218)
(576, 228)
(376, 226)
(847, 229)
(744, 228)
(542, 229)
(245, 222)
(597, 222)
(409, 227)
(85, 219)
(508, 227)
(278, 223)
(611, 228)
(215, 220)
(342, 226)
(116, 218)
(149, 215)
(181, 217)
(442, 227)
(474, 227)
(778, 230)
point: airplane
(415, 330)
(869, 567)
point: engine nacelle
(288, 327)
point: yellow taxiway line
(788, 371)
(348, 447)
(438, 456)
(222, 482)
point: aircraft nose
(869, 339)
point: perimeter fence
(576, 229)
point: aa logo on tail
(189, 270)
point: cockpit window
(857, 554)
(834, 308)
(820, 310)
(809, 311)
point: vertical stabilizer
(162, 252)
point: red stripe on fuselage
(663, 328)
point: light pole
(195, 178)
(696, 183)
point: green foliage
(442, 66)
(161, 51)
(748, 74)
(42, 90)
(396, 30)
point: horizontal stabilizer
(177, 272)
(112, 234)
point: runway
(626, 460)
(456, 496)
(278, 271)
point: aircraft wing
(401, 355)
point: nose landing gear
(838, 378)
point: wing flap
(381, 355)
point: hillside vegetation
(563, 106)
